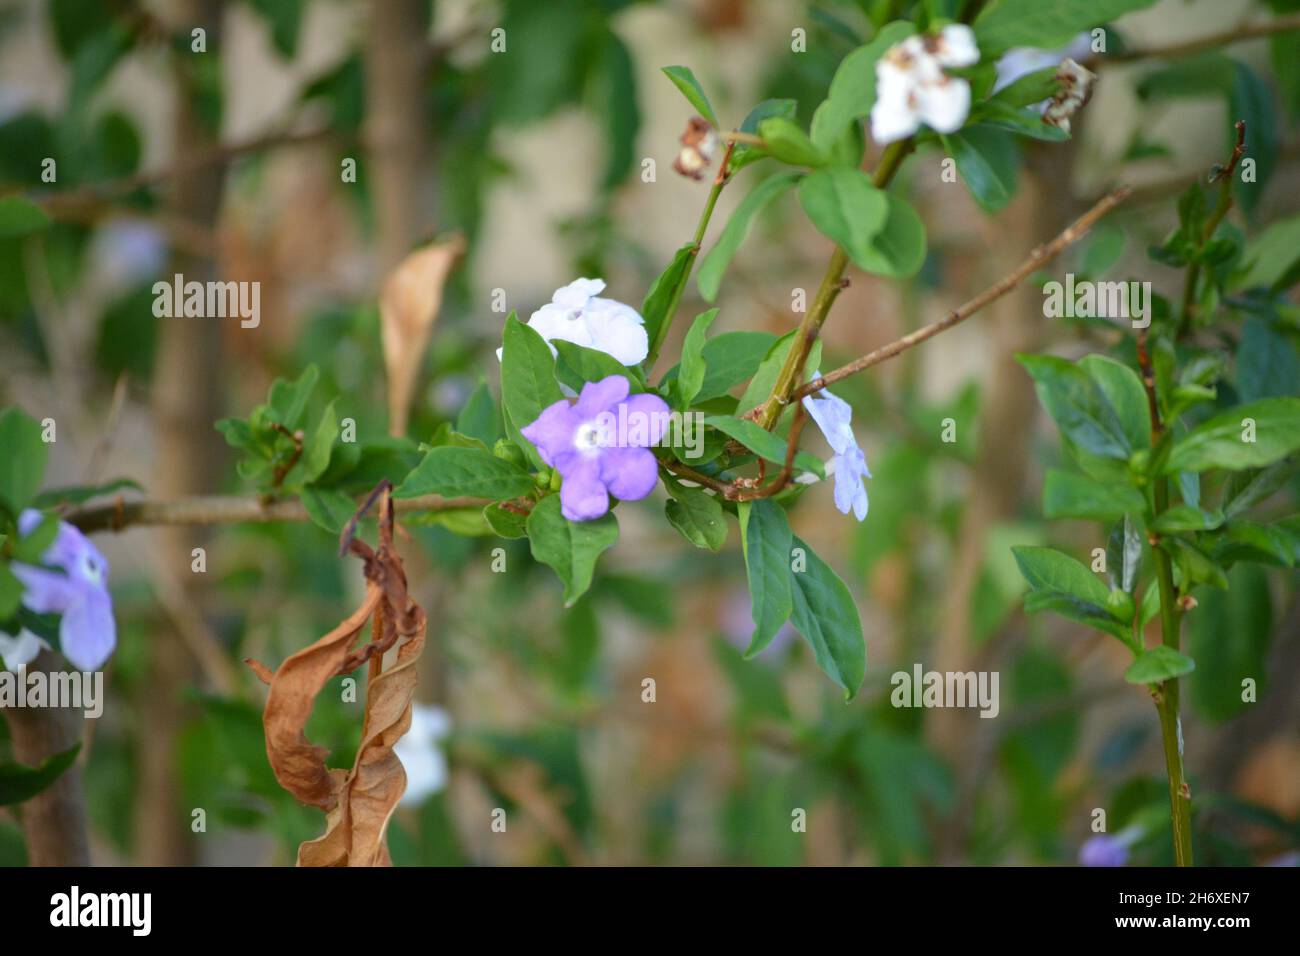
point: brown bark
(54, 821)
(186, 401)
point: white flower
(576, 314)
(912, 87)
(17, 652)
(418, 750)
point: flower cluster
(912, 87)
(594, 459)
(848, 464)
(72, 580)
(577, 314)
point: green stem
(791, 375)
(718, 183)
(1167, 699)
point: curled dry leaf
(408, 307)
(358, 802)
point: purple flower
(78, 590)
(848, 464)
(1106, 850)
(600, 445)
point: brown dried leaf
(299, 764)
(355, 828)
(408, 307)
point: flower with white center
(577, 314)
(912, 87)
(420, 753)
(72, 580)
(848, 464)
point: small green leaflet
(852, 91)
(19, 783)
(692, 369)
(22, 464)
(569, 547)
(685, 81)
(846, 208)
(455, 471)
(664, 293)
(766, 540)
(762, 442)
(1248, 436)
(528, 382)
(697, 515)
(825, 614)
(714, 265)
(1067, 495)
(1003, 24)
(1158, 664)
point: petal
(602, 396)
(576, 294)
(620, 335)
(17, 652)
(553, 323)
(46, 592)
(28, 521)
(630, 474)
(553, 430)
(834, 417)
(944, 106)
(582, 494)
(87, 633)
(647, 418)
(957, 46)
(891, 121)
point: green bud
(509, 451)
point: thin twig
(226, 509)
(1185, 48)
(1035, 260)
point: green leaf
(898, 250)
(1124, 554)
(1194, 565)
(11, 593)
(1124, 393)
(787, 142)
(19, 783)
(1273, 257)
(1031, 88)
(284, 17)
(1228, 634)
(1266, 362)
(528, 382)
(1078, 406)
(714, 265)
(1003, 24)
(852, 92)
(20, 217)
(690, 378)
(577, 365)
(998, 114)
(316, 450)
(765, 376)
(665, 290)
(569, 547)
(22, 460)
(328, 508)
(744, 153)
(454, 471)
(766, 540)
(988, 161)
(845, 207)
(825, 614)
(729, 359)
(507, 524)
(1067, 495)
(286, 403)
(697, 516)
(1060, 583)
(479, 418)
(1184, 517)
(1222, 441)
(617, 93)
(80, 494)
(685, 81)
(1158, 664)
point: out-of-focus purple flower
(600, 445)
(77, 589)
(420, 753)
(1103, 849)
(130, 251)
(834, 417)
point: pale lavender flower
(600, 445)
(77, 589)
(848, 465)
(1106, 850)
